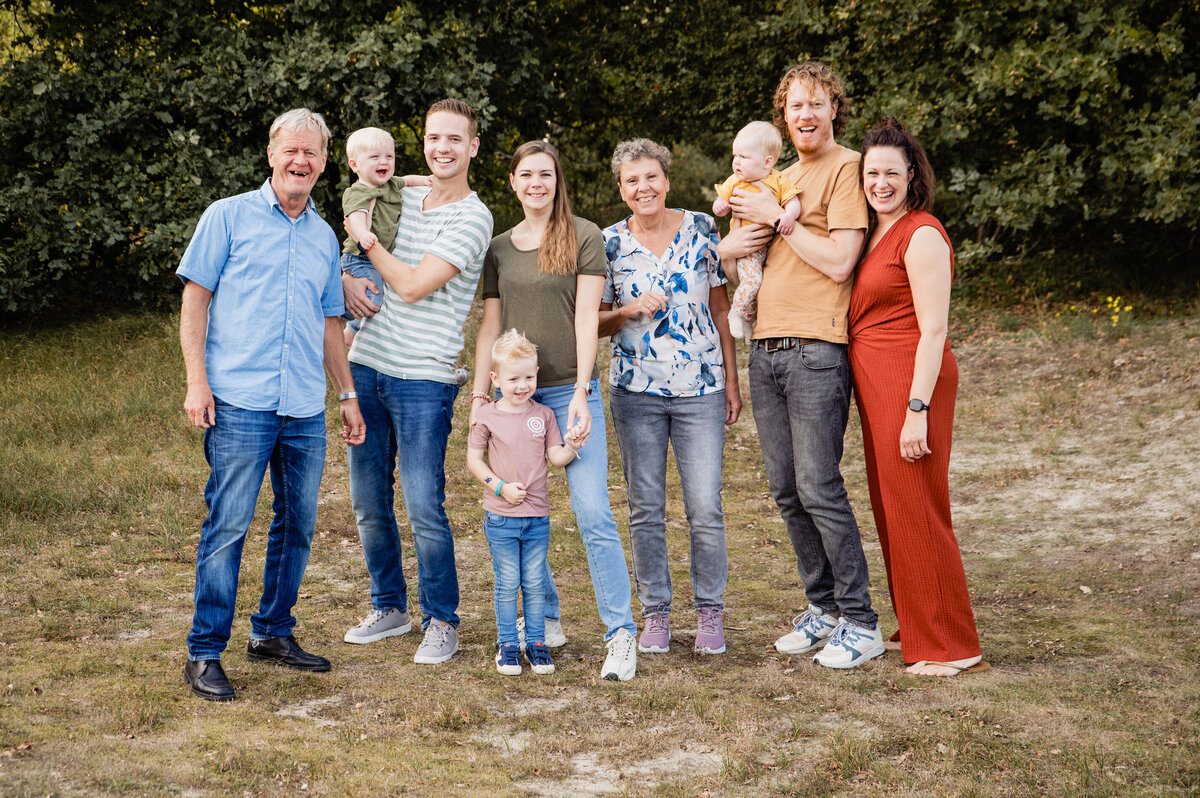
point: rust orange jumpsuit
(910, 501)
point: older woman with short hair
(666, 308)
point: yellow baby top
(780, 186)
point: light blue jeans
(240, 447)
(519, 547)
(408, 424)
(587, 478)
(695, 428)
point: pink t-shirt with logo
(516, 446)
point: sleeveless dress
(910, 501)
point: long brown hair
(558, 251)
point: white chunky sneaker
(811, 629)
(555, 638)
(850, 646)
(621, 663)
(379, 624)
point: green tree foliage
(1064, 134)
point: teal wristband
(498, 487)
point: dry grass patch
(1075, 491)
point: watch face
(916, 405)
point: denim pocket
(821, 356)
(495, 519)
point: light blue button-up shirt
(274, 280)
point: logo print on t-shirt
(536, 426)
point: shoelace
(845, 633)
(621, 645)
(659, 623)
(802, 620)
(373, 617)
(708, 622)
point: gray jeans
(695, 428)
(801, 400)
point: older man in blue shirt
(262, 302)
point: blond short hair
(763, 135)
(300, 119)
(367, 138)
(512, 346)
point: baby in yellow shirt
(756, 150)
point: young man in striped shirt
(403, 361)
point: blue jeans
(360, 266)
(695, 427)
(801, 399)
(519, 547)
(408, 423)
(240, 447)
(587, 478)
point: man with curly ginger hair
(799, 372)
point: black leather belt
(779, 344)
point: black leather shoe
(207, 679)
(285, 651)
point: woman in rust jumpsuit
(905, 382)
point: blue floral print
(678, 351)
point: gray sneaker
(439, 645)
(379, 624)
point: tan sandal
(978, 667)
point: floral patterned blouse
(678, 351)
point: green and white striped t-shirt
(422, 341)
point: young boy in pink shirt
(519, 436)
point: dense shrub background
(1064, 133)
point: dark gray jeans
(801, 400)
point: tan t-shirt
(795, 299)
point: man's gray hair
(636, 149)
(299, 119)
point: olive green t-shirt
(384, 219)
(542, 306)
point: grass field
(1076, 492)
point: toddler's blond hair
(366, 138)
(512, 346)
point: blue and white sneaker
(508, 660)
(539, 658)
(850, 646)
(810, 630)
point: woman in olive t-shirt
(544, 278)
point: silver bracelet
(347, 395)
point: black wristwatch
(917, 406)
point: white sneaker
(850, 646)
(555, 638)
(811, 629)
(621, 663)
(379, 624)
(439, 645)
